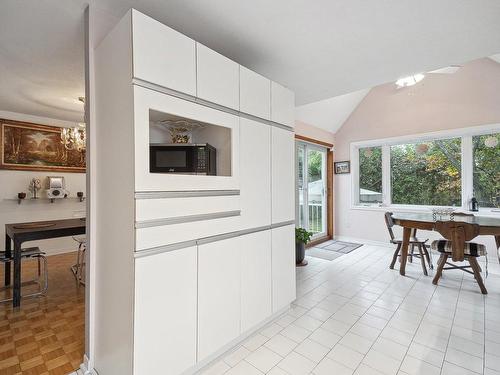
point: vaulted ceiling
(320, 49)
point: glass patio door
(311, 188)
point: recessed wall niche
(180, 145)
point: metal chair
(414, 241)
(457, 244)
(30, 253)
(78, 269)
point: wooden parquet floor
(46, 334)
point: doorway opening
(43, 194)
(314, 210)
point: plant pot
(300, 252)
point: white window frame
(465, 134)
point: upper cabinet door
(282, 105)
(282, 175)
(255, 94)
(218, 78)
(162, 55)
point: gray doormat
(332, 249)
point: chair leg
(422, 259)
(441, 262)
(395, 256)
(477, 274)
(427, 256)
(410, 255)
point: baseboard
(223, 351)
(84, 367)
(363, 241)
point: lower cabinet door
(165, 312)
(219, 265)
(255, 279)
(283, 266)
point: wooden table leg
(404, 250)
(16, 300)
(497, 240)
(8, 253)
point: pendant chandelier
(75, 139)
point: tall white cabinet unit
(187, 265)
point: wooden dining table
(488, 226)
(19, 233)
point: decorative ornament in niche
(422, 148)
(491, 141)
(181, 131)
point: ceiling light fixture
(410, 80)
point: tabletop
(16, 229)
(427, 217)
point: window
(486, 169)
(370, 175)
(427, 173)
(447, 168)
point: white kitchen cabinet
(283, 175)
(165, 312)
(282, 105)
(255, 94)
(283, 266)
(255, 173)
(219, 295)
(162, 55)
(218, 78)
(255, 279)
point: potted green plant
(302, 237)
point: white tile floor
(355, 316)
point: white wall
(13, 182)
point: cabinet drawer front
(283, 266)
(255, 94)
(152, 209)
(218, 295)
(165, 312)
(218, 79)
(255, 279)
(151, 237)
(162, 55)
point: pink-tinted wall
(469, 97)
(306, 130)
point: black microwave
(184, 158)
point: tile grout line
(452, 322)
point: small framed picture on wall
(341, 167)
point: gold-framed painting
(33, 147)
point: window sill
(495, 212)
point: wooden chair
(414, 241)
(456, 244)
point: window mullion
(386, 175)
(467, 171)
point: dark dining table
(19, 233)
(411, 222)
